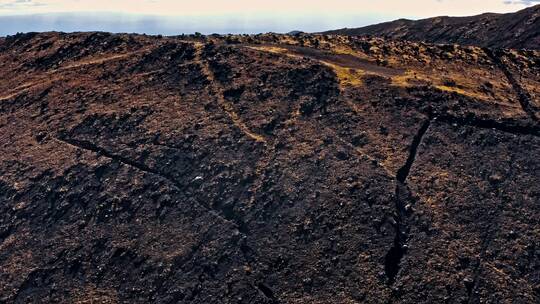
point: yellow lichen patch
(346, 76)
(271, 49)
(459, 84)
(407, 79)
(462, 88)
(452, 89)
(344, 50)
(285, 39)
(275, 50)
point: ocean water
(170, 25)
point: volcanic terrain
(267, 169)
(513, 30)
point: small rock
(469, 283)
(40, 136)
(342, 155)
(495, 178)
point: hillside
(267, 169)
(520, 30)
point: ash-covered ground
(267, 169)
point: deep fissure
(399, 249)
(523, 96)
(512, 127)
(267, 292)
(227, 215)
(404, 171)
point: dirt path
(340, 60)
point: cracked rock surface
(267, 169)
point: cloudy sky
(224, 16)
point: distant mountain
(294, 33)
(513, 30)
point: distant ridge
(514, 30)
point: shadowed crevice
(227, 215)
(403, 172)
(523, 96)
(399, 249)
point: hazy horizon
(174, 25)
(169, 17)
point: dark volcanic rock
(275, 169)
(468, 239)
(520, 30)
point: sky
(171, 17)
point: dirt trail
(95, 61)
(341, 60)
(224, 104)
